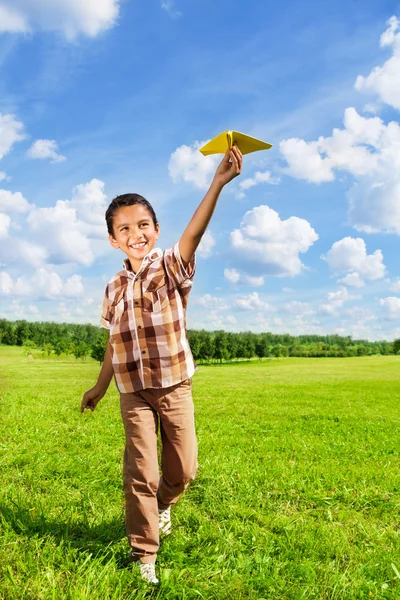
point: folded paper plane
(224, 141)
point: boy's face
(134, 233)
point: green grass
(297, 495)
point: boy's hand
(91, 399)
(230, 167)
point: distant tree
(206, 345)
(232, 344)
(247, 346)
(99, 347)
(261, 347)
(71, 338)
(81, 350)
(28, 347)
(61, 346)
(8, 336)
(221, 346)
(195, 343)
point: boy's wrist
(217, 184)
(100, 389)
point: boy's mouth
(138, 246)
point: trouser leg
(141, 476)
(179, 445)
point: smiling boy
(149, 356)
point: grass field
(297, 495)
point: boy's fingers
(237, 152)
(235, 163)
(239, 156)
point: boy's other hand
(230, 167)
(91, 398)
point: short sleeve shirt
(146, 315)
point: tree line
(207, 346)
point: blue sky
(102, 97)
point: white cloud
(11, 131)
(234, 276)
(69, 17)
(391, 304)
(346, 150)
(73, 287)
(12, 20)
(170, 8)
(71, 231)
(47, 283)
(385, 81)
(45, 149)
(32, 253)
(4, 224)
(6, 284)
(67, 228)
(42, 283)
(3, 176)
(336, 300)
(189, 165)
(206, 245)
(352, 280)
(267, 245)
(298, 308)
(365, 148)
(372, 109)
(211, 302)
(259, 177)
(394, 286)
(252, 302)
(305, 160)
(13, 250)
(89, 201)
(253, 281)
(339, 297)
(350, 254)
(59, 227)
(360, 314)
(13, 202)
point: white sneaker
(164, 521)
(148, 572)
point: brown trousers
(145, 491)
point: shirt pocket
(154, 295)
(117, 309)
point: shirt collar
(149, 258)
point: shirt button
(143, 351)
(136, 302)
(139, 327)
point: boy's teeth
(138, 245)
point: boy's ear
(113, 242)
(158, 230)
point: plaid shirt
(146, 315)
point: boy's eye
(144, 225)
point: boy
(149, 356)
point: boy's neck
(135, 265)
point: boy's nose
(136, 238)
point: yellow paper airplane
(225, 141)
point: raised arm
(228, 169)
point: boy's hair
(127, 200)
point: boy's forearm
(202, 216)
(199, 222)
(106, 372)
